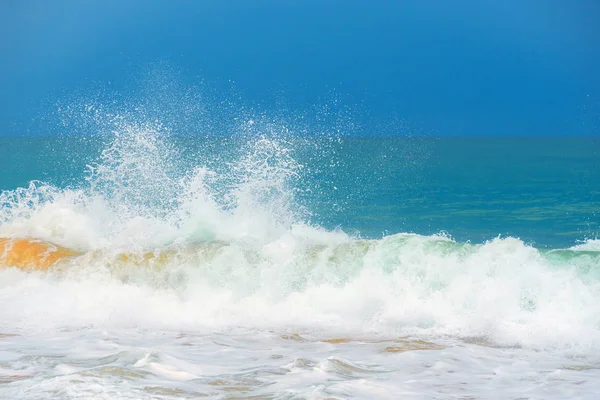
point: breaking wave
(147, 243)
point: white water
(249, 293)
(588, 245)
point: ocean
(268, 262)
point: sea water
(265, 262)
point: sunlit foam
(32, 254)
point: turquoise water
(544, 191)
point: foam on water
(230, 260)
(588, 245)
(165, 248)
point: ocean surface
(261, 263)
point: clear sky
(477, 67)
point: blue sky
(478, 67)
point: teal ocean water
(541, 190)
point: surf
(148, 241)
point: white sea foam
(242, 258)
(588, 245)
(246, 259)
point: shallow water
(135, 363)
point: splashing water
(229, 259)
(242, 234)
